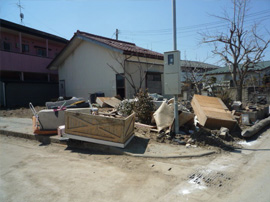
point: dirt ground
(20, 112)
(33, 172)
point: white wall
(86, 71)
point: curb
(173, 156)
(45, 139)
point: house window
(157, 77)
(6, 46)
(153, 77)
(25, 48)
(120, 85)
(41, 52)
(153, 82)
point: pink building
(24, 55)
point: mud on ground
(19, 112)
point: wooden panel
(101, 101)
(100, 127)
(129, 127)
(212, 112)
(113, 102)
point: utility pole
(176, 119)
(116, 34)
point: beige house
(92, 63)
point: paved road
(241, 176)
(254, 176)
(31, 172)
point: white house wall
(86, 71)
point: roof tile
(127, 47)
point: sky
(147, 23)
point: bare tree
(240, 47)
(129, 75)
(194, 73)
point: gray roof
(195, 64)
(225, 70)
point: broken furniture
(47, 121)
(212, 112)
(50, 119)
(81, 125)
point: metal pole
(116, 34)
(174, 26)
(176, 119)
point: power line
(216, 24)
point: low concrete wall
(2, 97)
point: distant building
(196, 69)
(24, 55)
(256, 76)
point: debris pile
(205, 121)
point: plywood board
(212, 112)
(113, 102)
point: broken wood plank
(141, 125)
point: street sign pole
(176, 119)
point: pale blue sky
(148, 23)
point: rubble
(211, 124)
(71, 103)
(223, 133)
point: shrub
(144, 107)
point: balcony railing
(11, 61)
